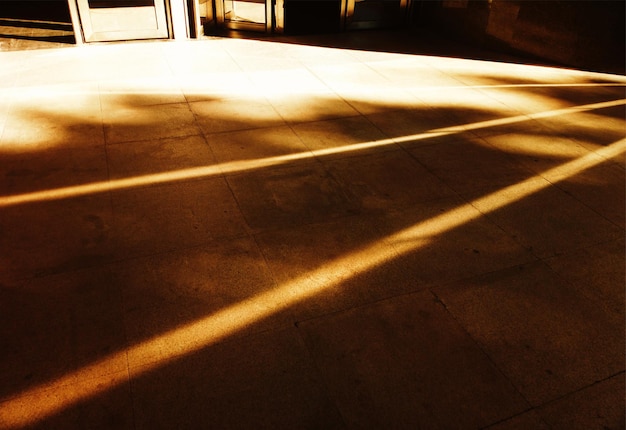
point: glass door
(255, 15)
(107, 20)
(376, 13)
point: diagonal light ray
(17, 93)
(40, 402)
(255, 164)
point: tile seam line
(479, 345)
(538, 407)
(426, 287)
(580, 389)
(246, 73)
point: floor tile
(469, 105)
(546, 337)
(271, 374)
(548, 221)
(58, 408)
(600, 406)
(144, 59)
(263, 57)
(332, 266)
(55, 324)
(528, 101)
(2, 121)
(364, 89)
(580, 95)
(135, 123)
(343, 76)
(370, 99)
(314, 56)
(210, 85)
(315, 107)
(31, 172)
(409, 69)
(294, 195)
(407, 125)
(592, 128)
(139, 92)
(297, 82)
(540, 153)
(199, 292)
(199, 58)
(165, 160)
(527, 420)
(470, 166)
(512, 123)
(602, 275)
(602, 189)
(232, 114)
(448, 240)
(173, 216)
(53, 116)
(256, 49)
(387, 180)
(255, 145)
(405, 363)
(54, 236)
(342, 137)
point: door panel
(106, 20)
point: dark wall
(312, 16)
(579, 33)
(47, 10)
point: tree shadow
(170, 284)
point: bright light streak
(250, 165)
(43, 401)
(539, 115)
(156, 87)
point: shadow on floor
(330, 289)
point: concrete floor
(235, 233)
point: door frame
(158, 13)
(179, 24)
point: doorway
(304, 16)
(369, 14)
(109, 20)
(250, 15)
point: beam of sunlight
(436, 89)
(571, 85)
(250, 165)
(538, 115)
(513, 71)
(147, 87)
(40, 402)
